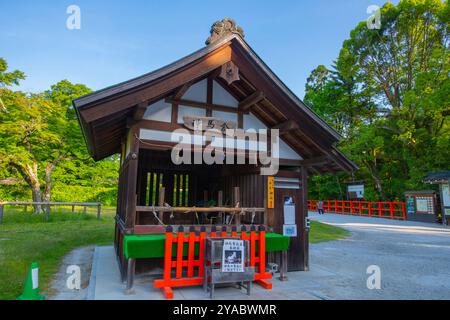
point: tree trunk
(376, 178)
(48, 182)
(32, 172)
(36, 195)
(30, 175)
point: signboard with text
(233, 256)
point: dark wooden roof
(103, 114)
(438, 177)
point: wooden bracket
(251, 100)
(139, 111)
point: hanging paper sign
(233, 256)
(289, 210)
(270, 192)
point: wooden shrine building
(224, 83)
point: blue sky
(120, 40)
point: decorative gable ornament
(223, 28)
(229, 72)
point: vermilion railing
(391, 209)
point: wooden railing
(47, 206)
(391, 209)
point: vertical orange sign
(270, 192)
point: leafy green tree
(8, 79)
(387, 93)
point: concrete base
(107, 285)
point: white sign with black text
(290, 230)
(233, 256)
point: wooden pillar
(237, 216)
(220, 204)
(131, 181)
(162, 192)
(302, 229)
(130, 275)
(284, 266)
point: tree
(8, 79)
(387, 93)
(37, 133)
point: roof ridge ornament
(222, 28)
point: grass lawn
(321, 232)
(25, 238)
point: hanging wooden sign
(207, 123)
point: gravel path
(414, 259)
(81, 257)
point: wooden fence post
(1, 213)
(99, 208)
(47, 212)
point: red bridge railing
(391, 209)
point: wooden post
(284, 265)
(237, 204)
(130, 275)
(73, 208)
(1, 213)
(130, 183)
(85, 209)
(219, 204)
(47, 212)
(99, 208)
(304, 234)
(26, 208)
(162, 191)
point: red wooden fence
(391, 209)
(184, 272)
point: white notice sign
(35, 278)
(290, 230)
(233, 256)
(446, 195)
(289, 210)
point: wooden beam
(182, 90)
(203, 105)
(209, 96)
(191, 210)
(314, 161)
(251, 100)
(286, 126)
(139, 111)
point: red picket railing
(180, 272)
(390, 209)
